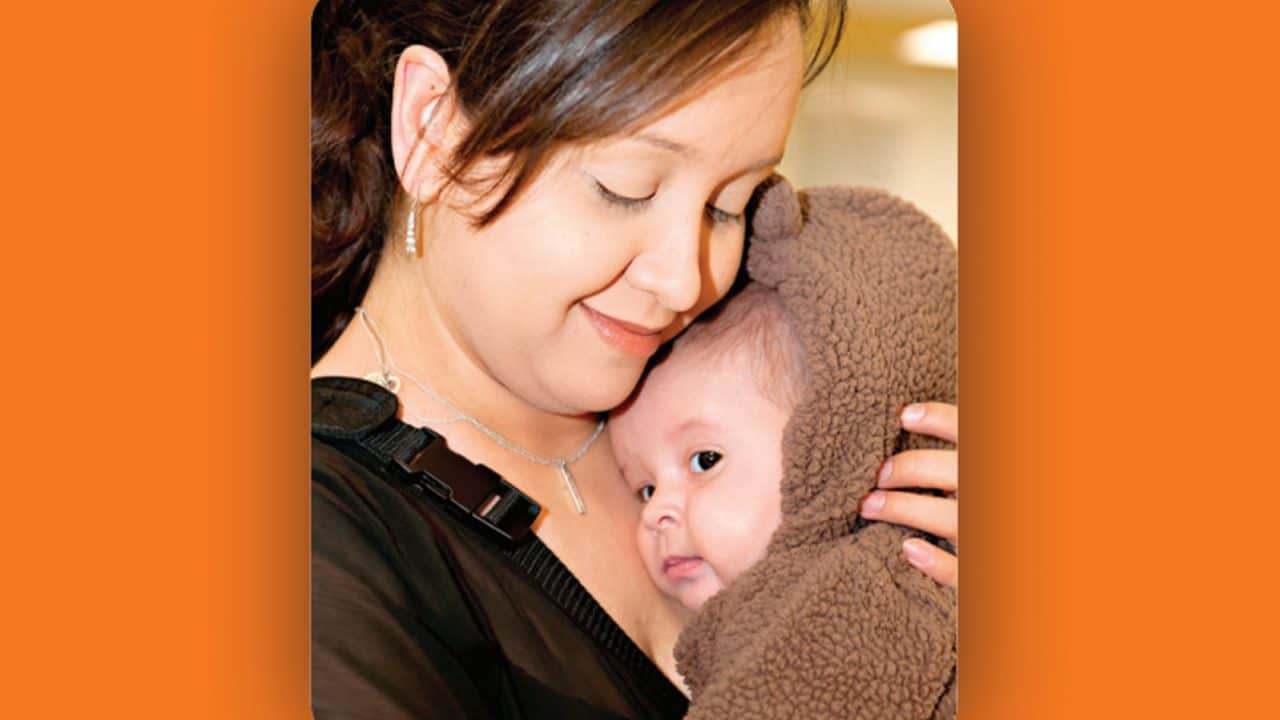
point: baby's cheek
(697, 593)
(646, 545)
(744, 549)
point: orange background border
(1118, 344)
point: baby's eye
(703, 460)
(645, 493)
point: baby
(700, 443)
(752, 442)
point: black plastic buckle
(474, 490)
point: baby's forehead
(708, 394)
(687, 384)
(701, 369)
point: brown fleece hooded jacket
(833, 622)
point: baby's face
(702, 449)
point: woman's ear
(422, 115)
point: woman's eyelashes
(626, 202)
(720, 217)
(623, 201)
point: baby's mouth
(677, 567)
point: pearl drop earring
(411, 243)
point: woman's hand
(937, 469)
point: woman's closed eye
(627, 202)
(704, 460)
(723, 217)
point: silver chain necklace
(389, 381)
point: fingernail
(885, 471)
(873, 504)
(916, 553)
(913, 413)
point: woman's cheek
(718, 268)
(724, 256)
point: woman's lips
(629, 338)
(678, 567)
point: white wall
(871, 119)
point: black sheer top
(420, 610)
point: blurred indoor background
(884, 112)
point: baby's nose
(662, 512)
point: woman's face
(618, 244)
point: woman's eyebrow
(688, 152)
(665, 144)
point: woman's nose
(670, 267)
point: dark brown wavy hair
(528, 75)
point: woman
(525, 200)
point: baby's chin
(693, 595)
